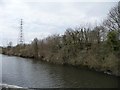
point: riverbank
(109, 72)
(103, 56)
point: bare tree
(113, 20)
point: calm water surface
(36, 74)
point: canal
(37, 74)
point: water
(36, 74)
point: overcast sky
(43, 18)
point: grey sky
(41, 19)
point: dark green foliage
(113, 40)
